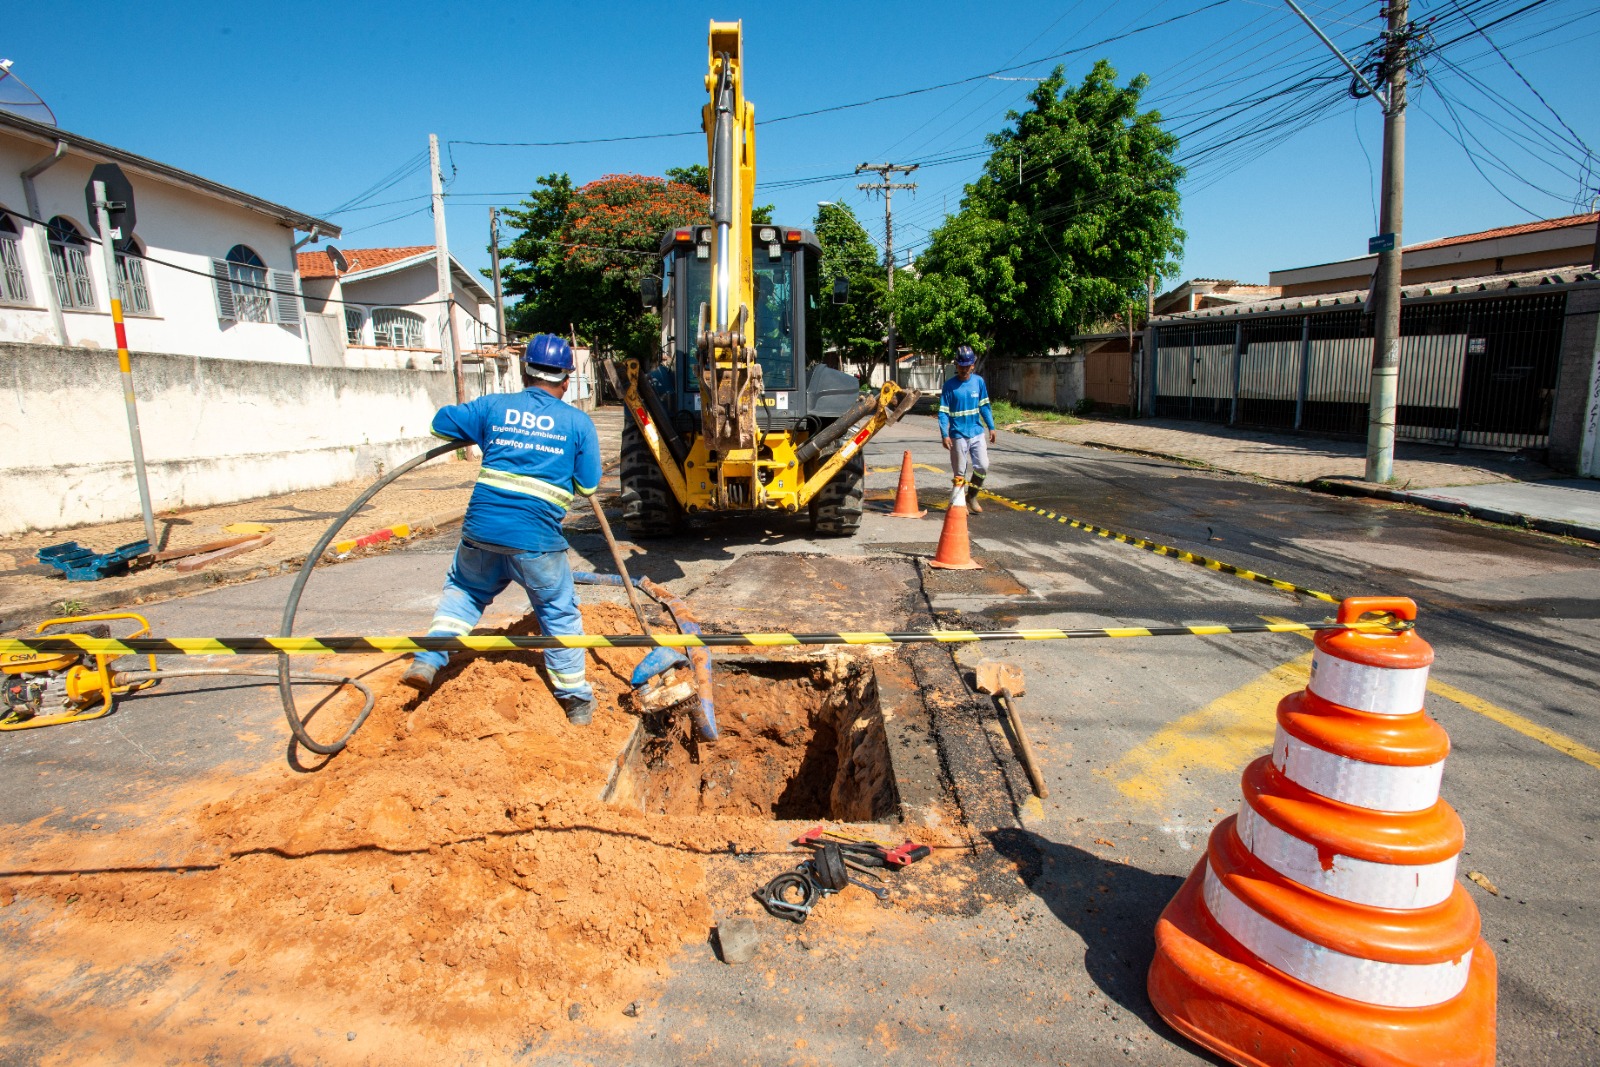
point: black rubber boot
(580, 710)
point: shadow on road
(1112, 906)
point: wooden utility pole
(441, 257)
(887, 188)
(1384, 383)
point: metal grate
(1473, 373)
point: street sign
(119, 191)
(1384, 242)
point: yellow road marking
(1526, 727)
(1504, 716)
(915, 466)
(1221, 737)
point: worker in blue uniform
(964, 413)
(538, 451)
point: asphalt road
(1142, 740)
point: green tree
(698, 176)
(581, 253)
(1075, 208)
(855, 330)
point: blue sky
(313, 104)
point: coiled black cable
(297, 725)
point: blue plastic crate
(79, 564)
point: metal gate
(1473, 373)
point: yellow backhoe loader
(742, 415)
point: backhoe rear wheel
(648, 507)
(836, 510)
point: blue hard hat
(546, 352)
(965, 357)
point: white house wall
(176, 226)
(214, 431)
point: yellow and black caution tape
(17, 648)
(1165, 550)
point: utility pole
(108, 248)
(1384, 383)
(887, 187)
(441, 256)
(499, 294)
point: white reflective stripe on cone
(1378, 786)
(1380, 885)
(1392, 985)
(1384, 690)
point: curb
(1458, 508)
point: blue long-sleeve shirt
(964, 407)
(537, 452)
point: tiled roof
(1357, 297)
(319, 265)
(1511, 231)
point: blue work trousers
(479, 574)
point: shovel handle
(1024, 746)
(622, 568)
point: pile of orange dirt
(450, 882)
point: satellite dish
(19, 99)
(340, 264)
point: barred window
(353, 318)
(13, 279)
(135, 291)
(392, 328)
(247, 276)
(69, 265)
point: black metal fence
(1477, 373)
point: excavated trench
(800, 740)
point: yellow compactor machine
(742, 415)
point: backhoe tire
(836, 510)
(648, 507)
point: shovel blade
(994, 675)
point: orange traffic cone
(1325, 925)
(955, 552)
(905, 497)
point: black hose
(127, 677)
(292, 605)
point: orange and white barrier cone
(955, 550)
(905, 495)
(1325, 925)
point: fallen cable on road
(1164, 550)
(321, 646)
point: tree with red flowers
(580, 255)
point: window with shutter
(252, 297)
(285, 298)
(353, 319)
(223, 285)
(70, 265)
(134, 291)
(13, 279)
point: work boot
(419, 676)
(580, 710)
(972, 503)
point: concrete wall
(1054, 381)
(214, 430)
(1575, 423)
(176, 226)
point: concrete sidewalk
(432, 497)
(1491, 486)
